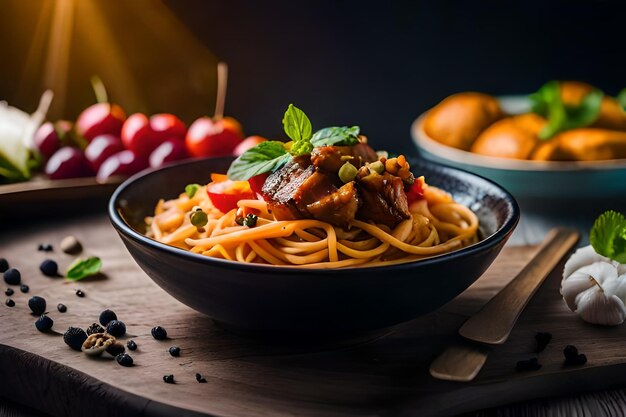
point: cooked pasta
(437, 225)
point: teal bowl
(529, 179)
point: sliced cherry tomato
(225, 193)
(416, 192)
(256, 183)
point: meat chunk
(383, 197)
(338, 208)
(282, 187)
(331, 158)
(298, 191)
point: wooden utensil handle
(494, 322)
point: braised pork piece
(310, 186)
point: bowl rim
(502, 233)
(423, 141)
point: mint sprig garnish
(345, 136)
(264, 157)
(608, 236)
(547, 102)
(271, 155)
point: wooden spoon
(494, 322)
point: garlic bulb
(594, 287)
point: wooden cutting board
(384, 374)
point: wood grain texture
(383, 374)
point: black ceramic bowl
(263, 299)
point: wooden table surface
(249, 360)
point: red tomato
(256, 183)
(416, 192)
(225, 193)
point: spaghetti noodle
(437, 225)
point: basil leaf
(82, 268)
(547, 102)
(329, 136)
(265, 157)
(608, 236)
(296, 124)
(621, 98)
(191, 189)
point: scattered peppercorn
(531, 364)
(250, 220)
(49, 268)
(579, 359)
(131, 345)
(44, 323)
(159, 333)
(95, 328)
(10, 302)
(24, 288)
(200, 379)
(239, 220)
(542, 338)
(62, 308)
(572, 357)
(124, 359)
(74, 338)
(168, 379)
(4, 265)
(71, 245)
(115, 349)
(116, 328)
(37, 305)
(570, 351)
(12, 276)
(9, 292)
(80, 293)
(44, 247)
(174, 351)
(106, 316)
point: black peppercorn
(44, 323)
(37, 305)
(531, 364)
(131, 345)
(174, 351)
(159, 333)
(49, 268)
(4, 265)
(44, 247)
(12, 276)
(542, 338)
(24, 288)
(62, 308)
(10, 302)
(200, 378)
(9, 292)
(116, 328)
(124, 359)
(106, 316)
(80, 293)
(168, 379)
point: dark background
(375, 65)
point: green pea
(199, 218)
(347, 172)
(377, 167)
(191, 189)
